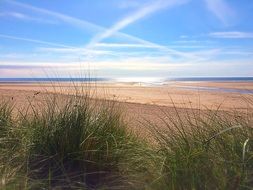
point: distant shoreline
(134, 79)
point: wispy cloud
(62, 17)
(13, 14)
(109, 68)
(138, 64)
(145, 46)
(133, 17)
(145, 11)
(65, 50)
(162, 48)
(122, 45)
(18, 67)
(128, 64)
(79, 51)
(25, 17)
(232, 34)
(34, 41)
(83, 24)
(221, 9)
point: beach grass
(69, 144)
(210, 150)
(77, 142)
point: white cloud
(137, 65)
(143, 46)
(139, 14)
(128, 64)
(232, 34)
(65, 18)
(83, 24)
(79, 51)
(122, 45)
(133, 17)
(26, 17)
(127, 68)
(221, 10)
(34, 41)
(12, 14)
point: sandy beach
(197, 95)
(139, 100)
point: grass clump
(211, 150)
(11, 158)
(74, 143)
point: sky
(126, 38)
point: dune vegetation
(81, 143)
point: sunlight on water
(141, 79)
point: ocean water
(34, 80)
(213, 79)
(132, 79)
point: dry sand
(171, 94)
(139, 102)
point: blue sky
(126, 38)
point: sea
(130, 79)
